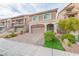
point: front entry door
(50, 27)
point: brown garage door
(38, 28)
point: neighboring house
(2, 24)
(15, 24)
(71, 10)
(34, 23)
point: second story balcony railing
(18, 24)
(43, 21)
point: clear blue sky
(10, 10)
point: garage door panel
(38, 29)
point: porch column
(25, 25)
(45, 27)
(55, 27)
(29, 28)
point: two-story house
(43, 21)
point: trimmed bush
(49, 35)
(70, 37)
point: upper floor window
(47, 16)
(35, 18)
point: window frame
(37, 18)
(50, 17)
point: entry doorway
(50, 27)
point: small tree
(68, 25)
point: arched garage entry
(50, 27)
(39, 28)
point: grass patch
(51, 41)
(55, 44)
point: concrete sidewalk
(14, 48)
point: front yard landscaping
(10, 35)
(51, 41)
(66, 27)
(70, 39)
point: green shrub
(13, 34)
(10, 35)
(49, 35)
(69, 44)
(70, 37)
(51, 41)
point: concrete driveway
(32, 38)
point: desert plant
(10, 35)
(13, 34)
(70, 37)
(69, 44)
